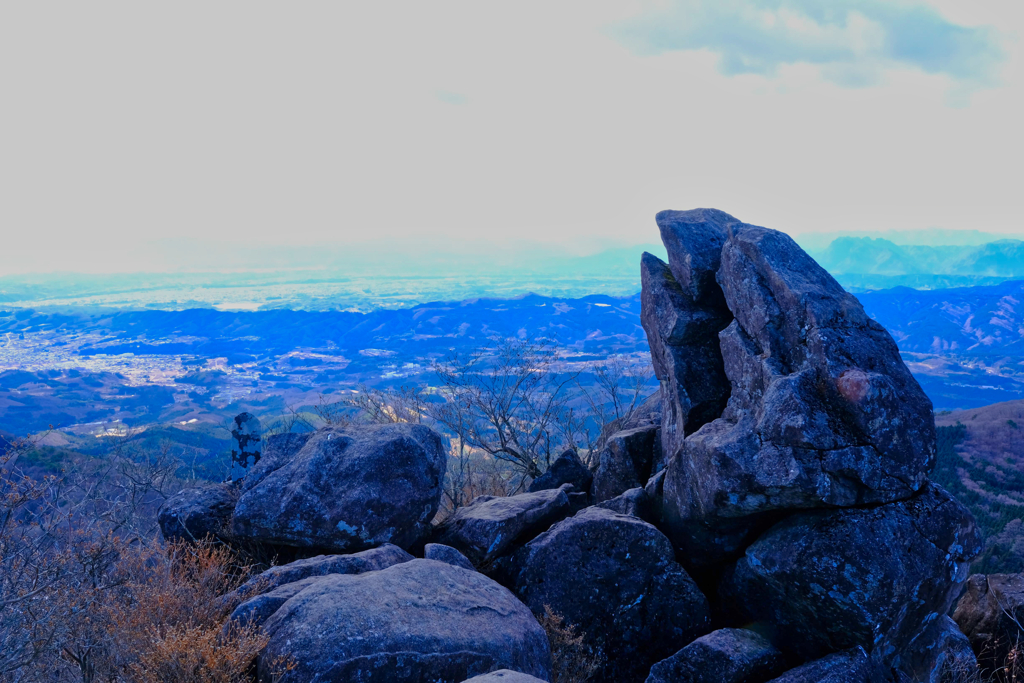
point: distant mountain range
(866, 263)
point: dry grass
(572, 661)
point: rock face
(626, 461)
(448, 555)
(566, 469)
(198, 513)
(829, 580)
(851, 666)
(357, 563)
(778, 391)
(987, 614)
(429, 621)
(939, 654)
(616, 580)
(490, 527)
(345, 490)
(730, 655)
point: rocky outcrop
(615, 579)
(416, 621)
(490, 527)
(566, 469)
(199, 513)
(321, 565)
(626, 461)
(820, 411)
(869, 577)
(990, 613)
(851, 666)
(345, 490)
(448, 555)
(730, 655)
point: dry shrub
(572, 660)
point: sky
(151, 136)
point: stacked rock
(797, 447)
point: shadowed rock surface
(634, 502)
(416, 621)
(346, 489)
(196, 513)
(988, 613)
(490, 527)
(566, 469)
(830, 580)
(729, 655)
(939, 654)
(615, 578)
(448, 555)
(821, 409)
(626, 461)
(321, 565)
(261, 606)
(850, 666)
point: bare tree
(507, 401)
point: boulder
(850, 666)
(415, 621)
(321, 565)
(940, 653)
(255, 610)
(198, 513)
(566, 469)
(869, 577)
(448, 555)
(490, 527)
(821, 411)
(345, 490)
(634, 502)
(504, 676)
(626, 461)
(990, 613)
(615, 579)
(729, 655)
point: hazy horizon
(143, 138)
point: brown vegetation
(572, 661)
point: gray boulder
(850, 666)
(566, 469)
(345, 489)
(321, 565)
(416, 621)
(262, 605)
(990, 613)
(448, 555)
(869, 577)
(198, 513)
(615, 579)
(490, 527)
(634, 502)
(504, 676)
(626, 461)
(940, 653)
(729, 655)
(821, 410)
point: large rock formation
(869, 577)
(415, 621)
(566, 469)
(626, 461)
(615, 579)
(778, 391)
(490, 526)
(345, 489)
(850, 666)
